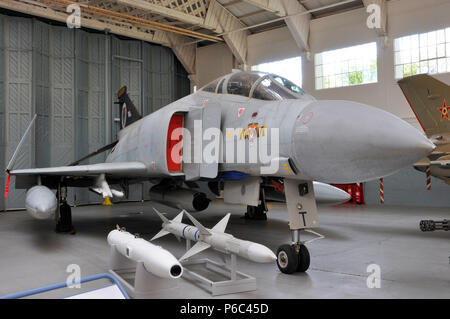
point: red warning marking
(7, 186)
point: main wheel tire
(303, 259)
(287, 259)
(255, 213)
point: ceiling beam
(164, 11)
(219, 17)
(273, 6)
(377, 9)
(298, 24)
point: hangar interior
(164, 50)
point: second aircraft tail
(429, 99)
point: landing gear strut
(302, 211)
(257, 212)
(64, 213)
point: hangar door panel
(126, 70)
(63, 96)
(2, 113)
(19, 104)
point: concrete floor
(413, 264)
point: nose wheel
(293, 258)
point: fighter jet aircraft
(429, 99)
(242, 134)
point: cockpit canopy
(257, 85)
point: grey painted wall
(408, 188)
(69, 78)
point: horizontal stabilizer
(222, 225)
(197, 224)
(197, 248)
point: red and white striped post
(428, 171)
(381, 191)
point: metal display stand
(236, 281)
(145, 284)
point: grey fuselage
(329, 141)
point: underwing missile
(40, 202)
(215, 238)
(156, 259)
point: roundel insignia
(444, 111)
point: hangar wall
(347, 29)
(69, 78)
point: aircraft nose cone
(346, 142)
(261, 254)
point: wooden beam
(273, 6)
(298, 25)
(159, 37)
(221, 19)
(164, 11)
(251, 14)
(231, 3)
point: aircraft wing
(118, 169)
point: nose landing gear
(302, 211)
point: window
(275, 88)
(290, 69)
(210, 87)
(345, 67)
(241, 83)
(422, 53)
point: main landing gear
(302, 211)
(257, 212)
(63, 214)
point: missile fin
(197, 224)
(163, 218)
(179, 217)
(222, 225)
(197, 248)
(161, 233)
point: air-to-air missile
(215, 238)
(156, 259)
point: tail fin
(430, 101)
(127, 110)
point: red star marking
(444, 111)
